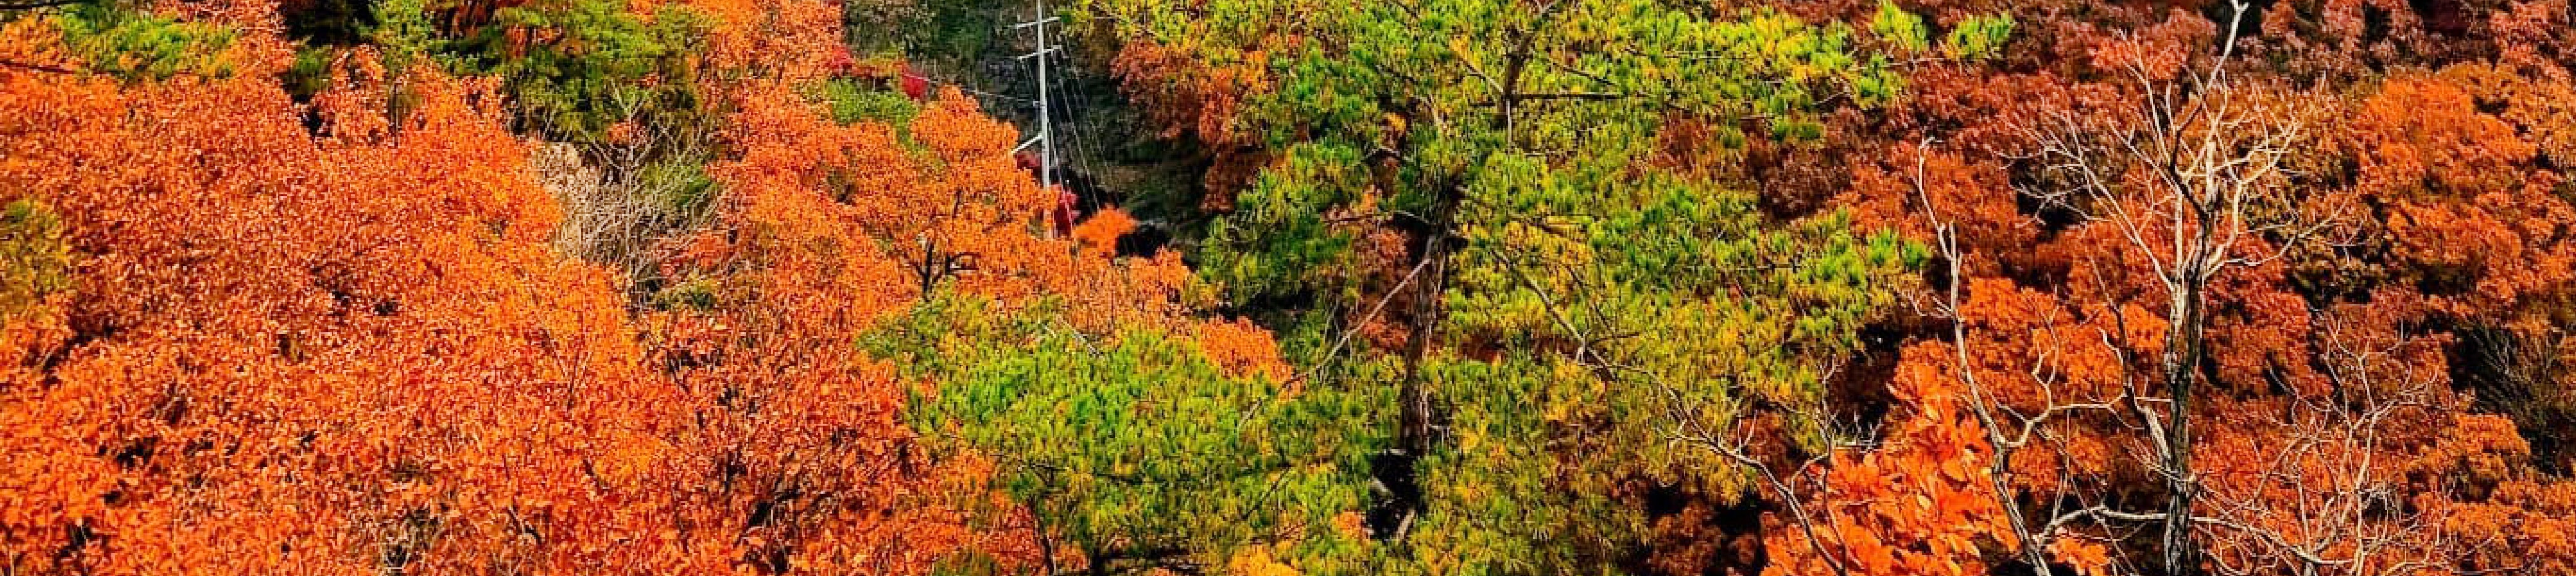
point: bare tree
(2180, 179)
(2325, 503)
(2193, 181)
(623, 196)
(2007, 430)
(2194, 184)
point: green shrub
(572, 69)
(1136, 446)
(693, 294)
(34, 261)
(853, 101)
(311, 72)
(679, 186)
(139, 46)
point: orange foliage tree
(289, 353)
(2386, 256)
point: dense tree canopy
(1457, 287)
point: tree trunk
(2181, 361)
(1414, 433)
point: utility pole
(1046, 123)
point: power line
(1089, 144)
(961, 87)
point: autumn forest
(1283, 287)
